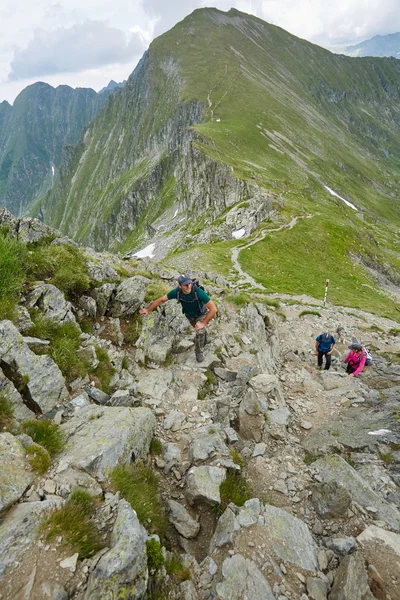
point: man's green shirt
(189, 304)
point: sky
(86, 43)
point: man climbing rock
(197, 306)
(324, 345)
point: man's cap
(184, 279)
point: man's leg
(200, 338)
(328, 358)
(320, 355)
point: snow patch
(238, 233)
(379, 432)
(52, 170)
(146, 252)
(340, 197)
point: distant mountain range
(112, 86)
(380, 45)
(34, 134)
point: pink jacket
(354, 361)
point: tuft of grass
(266, 417)
(271, 302)
(125, 363)
(155, 557)
(309, 312)
(174, 567)
(104, 370)
(133, 330)
(39, 458)
(74, 523)
(237, 459)
(6, 414)
(282, 315)
(13, 257)
(335, 434)
(64, 343)
(45, 433)
(139, 486)
(210, 377)
(376, 328)
(387, 458)
(238, 299)
(234, 489)
(394, 331)
(155, 290)
(156, 446)
(310, 458)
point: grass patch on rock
(156, 446)
(139, 486)
(155, 557)
(74, 523)
(310, 312)
(13, 257)
(45, 433)
(104, 370)
(6, 414)
(156, 290)
(176, 568)
(39, 458)
(234, 489)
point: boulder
(88, 305)
(264, 383)
(245, 366)
(182, 520)
(226, 529)
(207, 442)
(381, 548)
(26, 229)
(122, 571)
(38, 377)
(334, 468)
(15, 473)
(316, 588)
(97, 437)
(202, 484)
(102, 296)
(280, 416)
(330, 500)
(242, 580)
(129, 296)
(68, 479)
(19, 529)
(351, 580)
(51, 302)
(7, 389)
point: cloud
(88, 45)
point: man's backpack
(195, 286)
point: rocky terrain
(279, 481)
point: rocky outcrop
(51, 302)
(15, 475)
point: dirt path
(245, 278)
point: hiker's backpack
(195, 286)
(368, 356)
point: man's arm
(212, 310)
(153, 305)
(332, 347)
(316, 347)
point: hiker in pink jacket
(355, 360)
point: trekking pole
(326, 290)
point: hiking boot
(199, 356)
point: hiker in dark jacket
(197, 306)
(324, 345)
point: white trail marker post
(326, 290)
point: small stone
(70, 562)
(306, 425)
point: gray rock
(225, 531)
(187, 591)
(123, 569)
(53, 591)
(330, 500)
(51, 302)
(25, 229)
(88, 305)
(335, 468)
(171, 455)
(249, 513)
(182, 520)
(351, 580)
(317, 589)
(97, 395)
(207, 442)
(99, 268)
(130, 295)
(97, 438)
(245, 366)
(89, 356)
(259, 449)
(102, 296)
(15, 474)
(43, 385)
(202, 484)
(24, 321)
(280, 416)
(121, 398)
(341, 545)
(8, 390)
(66, 480)
(70, 562)
(264, 383)
(242, 580)
(290, 538)
(19, 529)
(150, 384)
(376, 536)
(174, 420)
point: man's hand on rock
(144, 312)
(199, 325)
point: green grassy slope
(293, 118)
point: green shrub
(64, 344)
(234, 489)
(156, 446)
(210, 377)
(125, 363)
(39, 458)
(6, 414)
(155, 557)
(46, 433)
(139, 486)
(104, 370)
(13, 256)
(237, 459)
(73, 522)
(309, 312)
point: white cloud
(83, 46)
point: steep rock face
(33, 133)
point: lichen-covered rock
(202, 484)
(206, 443)
(182, 520)
(334, 468)
(226, 529)
(51, 302)
(122, 571)
(129, 296)
(25, 230)
(98, 437)
(39, 378)
(102, 296)
(242, 581)
(330, 500)
(15, 473)
(351, 580)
